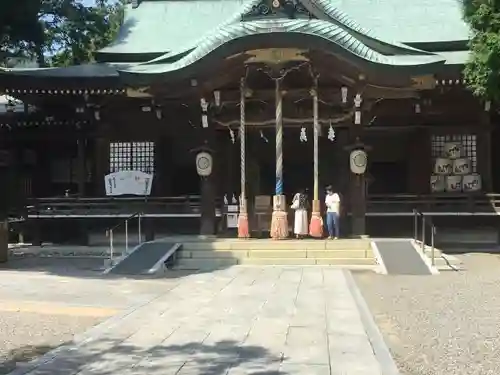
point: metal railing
(110, 233)
(420, 222)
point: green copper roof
(175, 26)
(408, 21)
(172, 37)
(302, 33)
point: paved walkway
(261, 321)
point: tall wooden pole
(279, 221)
(316, 224)
(243, 227)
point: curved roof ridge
(325, 31)
(334, 12)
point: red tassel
(243, 228)
(279, 225)
(316, 225)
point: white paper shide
(128, 183)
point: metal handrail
(425, 221)
(109, 233)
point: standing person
(300, 204)
(332, 202)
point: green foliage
(482, 72)
(80, 31)
(58, 32)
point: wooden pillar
(483, 147)
(358, 181)
(208, 197)
(81, 165)
(4, 240)
(101, 164)
(208, 185)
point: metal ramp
(399, 257)
(146, 259)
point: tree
(482, 72)
(61, 32)
(79, 31)
(20, 29)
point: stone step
(341, 244)
(266, 254)
(217, 263)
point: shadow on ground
(82, 267)
(111, 357)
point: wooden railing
(71, 207)
(190, 206)
(435, 203)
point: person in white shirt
(332, 202)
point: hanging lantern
(343, 92)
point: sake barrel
(453, 150)
(438, 183)
(462, 166)
(454, 183)
(443, 166)
(471, 182)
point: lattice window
(469, 142)
(136, 156)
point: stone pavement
(241, 320)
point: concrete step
(273, 254)
(232, 244)
(217, 263)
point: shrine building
(245, 102)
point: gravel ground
(444, 324)
(24, 336)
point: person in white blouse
(332, 202)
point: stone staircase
(221, 253)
